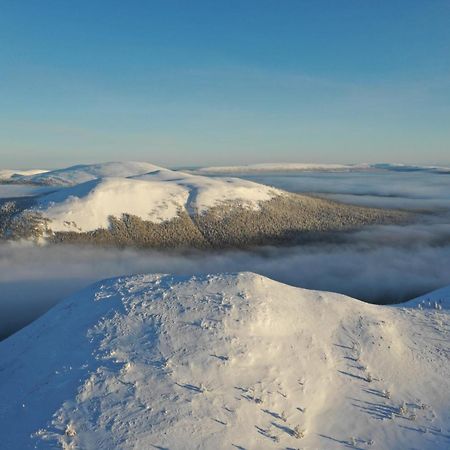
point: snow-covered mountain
(156, 196)
(146, 205)
(12, 174)
(225, 361)
(81, 173)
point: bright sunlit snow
(225, 361)
(87, 196)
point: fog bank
(383, 264)
(32, 278)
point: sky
(187, 83)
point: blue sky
(221, 82)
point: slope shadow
(342, 442)
(284, 428)
(274, 414)
(352, 375)
(266, 434)
(378, 411)
(190, 387)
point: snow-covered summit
(88, 206)
(73, 175)
(11, 174)
(206, 192)
(95, 193)
(145, 205)
(225, 361)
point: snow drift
(225, 361)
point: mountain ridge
(145, 205)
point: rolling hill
(144, 205)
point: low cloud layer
(384, 265)
(415, 190)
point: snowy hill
(11, 174)
(225, 361)
(142, 204)
(156, 197)
(73, 175)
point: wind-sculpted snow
(225, 361)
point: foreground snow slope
(225, 361)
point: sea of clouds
(382, 264)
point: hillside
(225, 361)
(144, 205)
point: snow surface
(438, 299)
(88, 206)
(206, 192)
(311, 167)
(233, 361)
(149, 192)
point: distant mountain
(281, 167)
(225, 361)
(141, 204)
(12, 174)
(73, 175)
(311, 167)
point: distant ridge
(312, 167)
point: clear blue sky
(220, 82)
